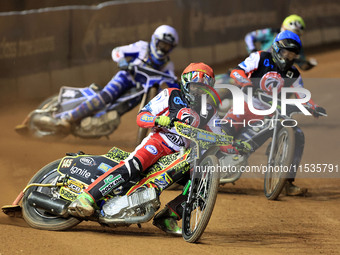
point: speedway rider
(265, 37)
(154, 54)
(264, 70)
(171, 103)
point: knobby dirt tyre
(37, 132)
(283, 155)
(198, 210)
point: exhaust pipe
(50, 204)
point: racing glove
(308, 64)
(163, 121)
(123, 64)
(319, 111)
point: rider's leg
(126, 173)
(290, 188)
(119, 175)
(120, 83)
(167, 218)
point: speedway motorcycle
(284, 152)
(45, 200)
(41, 121)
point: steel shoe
(168, 225)
(82, 206)
(167, 222)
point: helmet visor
(194, 90)
(288, 55)
(197, 87)
(164, 47)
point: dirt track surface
(243, 221)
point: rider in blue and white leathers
(265, 71)
(153, 54)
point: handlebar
(148, 77)
(152, 72)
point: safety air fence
(44, 49)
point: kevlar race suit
(160, 142)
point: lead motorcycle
(45, 200)
(41, 121)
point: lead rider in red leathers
(182, 104)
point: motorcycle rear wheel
(39, 132)
(197, 211)
(275, 179)
(39, 218)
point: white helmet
(163, 40)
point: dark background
(48, 44)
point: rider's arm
(158, 106)
(316, 110)
(134, 52)
(146, 119)
(250, 40)
(240, 77)
(304, 63)
(298, 83)
(242, 73)
(261, 36)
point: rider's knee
(134, 167)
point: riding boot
(293, 190)
(82, 206)
(166, 219)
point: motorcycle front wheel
(199, 207)
(39, 218)
(276, 177)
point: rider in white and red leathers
(154, 54)
(171, 103)
(265, 70)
